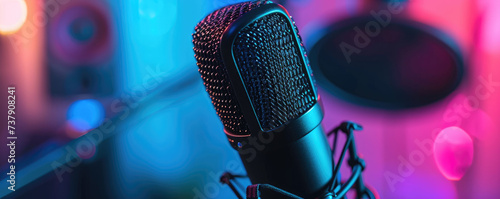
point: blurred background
(109, 102)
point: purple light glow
(81, 34)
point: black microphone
(255, 69)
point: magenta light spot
(453, 152)
(490, 26)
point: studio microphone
(256, 72)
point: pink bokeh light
(453, 152)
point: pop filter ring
(323, 37)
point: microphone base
(302, 167)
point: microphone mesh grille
(269, 64)
(206, 40)
(273, 71)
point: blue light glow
(84, 115)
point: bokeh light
(12, 15)
(84, 115)
(453, 152)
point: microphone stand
(336, 190)
(356, 163)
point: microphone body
(255, 69)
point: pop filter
(394, 65)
